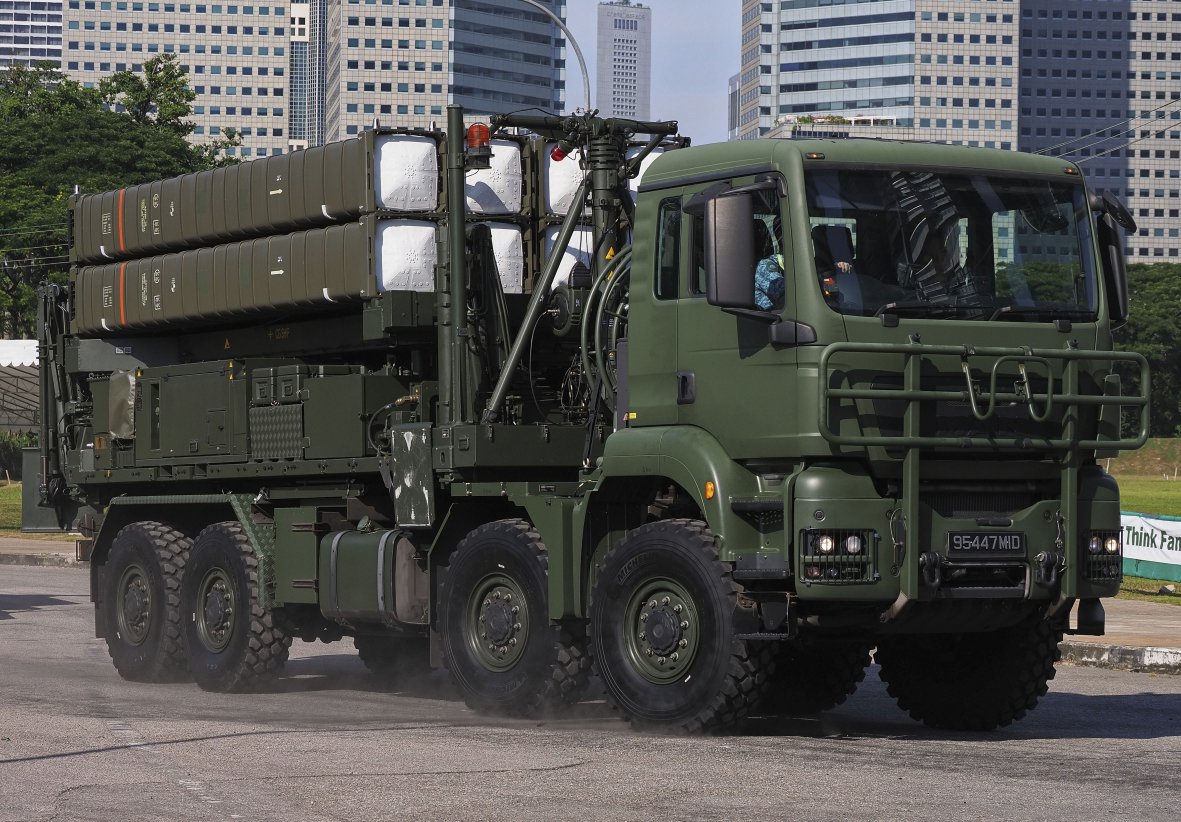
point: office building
(1101, 85)
(1096, 81)
(236, 55)
(402, 64)
(289, 75)
(30, 32)
(623, 82)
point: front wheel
(970, 682)
(815, 674)
(499, 646)
(232, 640)
(662, 627)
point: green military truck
(492, 400)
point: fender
(690, 457)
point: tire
(504, 661)
(814, 675)
(142, 602)
(232, 641)
(971, 682)
(662, 627)
(393, 657)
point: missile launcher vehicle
(561, 394)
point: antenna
(577, 51)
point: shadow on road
(10, 603)
(1057, 716)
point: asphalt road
(328, 742)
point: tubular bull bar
(1068, 443)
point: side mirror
(729, 251)
(1114, 216)
(1115, 276)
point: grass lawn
(1150, 495)
(1148, 590)
(10, 517)
(10, 506)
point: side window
(697, 257)
(668, 249)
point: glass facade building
(1096, 81)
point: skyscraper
(623, 79)
(1095, 81)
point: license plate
(973, 543)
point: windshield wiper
(1050, 310)
(922, 307)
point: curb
(43, 560)
(1122, 657)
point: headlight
(1095, 544)
(1110, 545)
(853, 544)
(825, 544)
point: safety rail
(1040, 405)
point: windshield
(969, 246)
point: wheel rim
(134, 605)
(661, 633)
(217, 606)
(497, 622)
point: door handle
(686, 387)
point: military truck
(553, 395)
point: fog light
(1095, 544)
(812, 572)
(853, 544)
(825, 544)
(1111, 545)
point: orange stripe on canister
(122, 270)
(121, 218)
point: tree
(160, 96)
(1152, 330)
(56, 137)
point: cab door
(657, 283)
(732, 380)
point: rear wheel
(499, 646)
(815, 674)
(232, 641)
(971, 682)
(142, 602)
(662, 632)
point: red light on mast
(478, 136)
(561, 151)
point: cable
(1123, 134)
(1165, 104)
(32, 248)
(34, 259)
(33, 229)
(1123, 145)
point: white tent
(18, 385)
